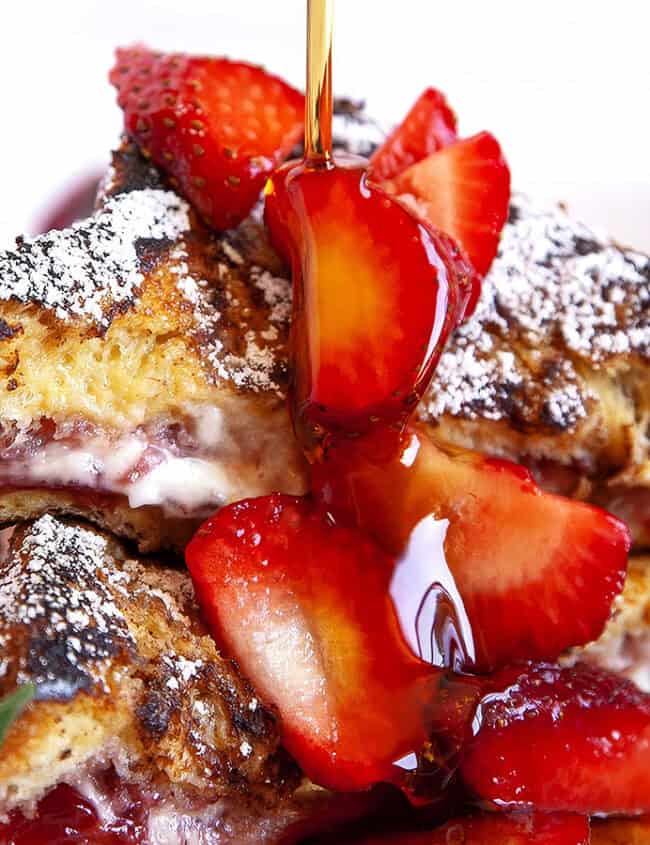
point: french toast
(161, 377)
(144, 375)
(127, 677)
(144, 362)
(135, 708)
(551, 369)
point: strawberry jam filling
(65, 816)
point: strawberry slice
(536, 573)
(493, 829)
(429, 126)
(304, 608)
(217, 127)
(463, 189)
(376, 294)
(574, 739)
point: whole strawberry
(217, 127)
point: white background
(564, 84)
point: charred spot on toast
(57, 601)
(7, 331)
(129, 171)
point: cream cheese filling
(226, 462)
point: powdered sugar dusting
(52, 588)
(556, 277)
(261, 356)
(277, 294)
(355, 133)
(557, 293)
(82, 271)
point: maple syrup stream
(318, 102)
(430, 609)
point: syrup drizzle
(429, 607)
(318, 103)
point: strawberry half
(574, 739)
(217, 127)
(535, 573)
(429, 126)
(494, 829)
(463, 189)
(376, 294)
(304, 608)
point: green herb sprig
(11, 706)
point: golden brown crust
(180, 317)
(146, 526)
(126, 674)
(552, 369)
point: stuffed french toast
(381, 423)
(178, 367)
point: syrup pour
(318, 103)
(375, 482)
(429, 607)
(372, 307)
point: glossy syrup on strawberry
(377, 290)
(375, 297)
(358, 611)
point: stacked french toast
(145, 376)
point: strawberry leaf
(12, 705)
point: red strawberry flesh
(304, 607)
(536, 573)
(429, 126)
(562, 739)
(376, 294)
(463, 189)
(217, 127)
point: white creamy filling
(221, 468)
(180, 485)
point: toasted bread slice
(553, 369)
(143, 365)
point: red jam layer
(65, 817)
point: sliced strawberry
(536, 573)
(573, 739)
(217, 127)
(376, 294)
(304, 607)
(429, 126)
(495, 829)
(463, 189)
